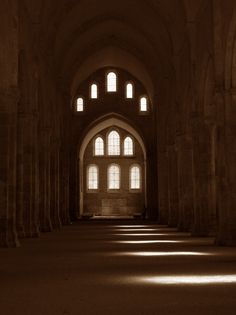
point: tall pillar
(54, 184)
(212, 182)
(226, 171)
(29, 172)
(173, 214)
(44, 181)
(64, 188)
(20, 180)
(185, 183)
(8, 119)
(152, 192)
(201, 161)
(163, 187)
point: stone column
(44, 181)
(163, 187)
(64, 188)
(185, 183)
(29, 175)
(9, 97)
(226, 171)
(173, 214)
(201, 161)
(212, 182)
(8, 119)
(152, 191)
(54, 185)
(20, 179)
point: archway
(124, 200)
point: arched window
(128, 146)
(92, 177)
(129, 90)
(114, 176)
(99, 146)
(113, 143)
(111, 82)
(80, 104)
(143, 104)
(135, 177)
(94, 91)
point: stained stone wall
(123, 201)
(187, 65)
(33, 159)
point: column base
(56, 223)
(8, 234)
(199, 231)
(9, 239)
(46, 226)
(66, 220)
(20, 230)
(226, 240)
(32, 231)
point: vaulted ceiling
(142, 36)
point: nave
(118, 267)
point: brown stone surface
(181, 54)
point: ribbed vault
(75, 33)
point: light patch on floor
(186, 279)
(156, 254)
(134, 230)
(148, 242)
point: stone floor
(117, 267)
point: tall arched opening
(112, 170)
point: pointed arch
(110, 121)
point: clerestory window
(94, 91)
(129, 90)
(111, 82)
(80, 104)
(143, 104)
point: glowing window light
(197, 279)
(99, 146)
(92, 177)
(129, 90)
(128, 146)
(111, 82)
(113, 143)
(94, 91)
(80, 104)
(114, 176)
(143, 104)
(135, 177)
